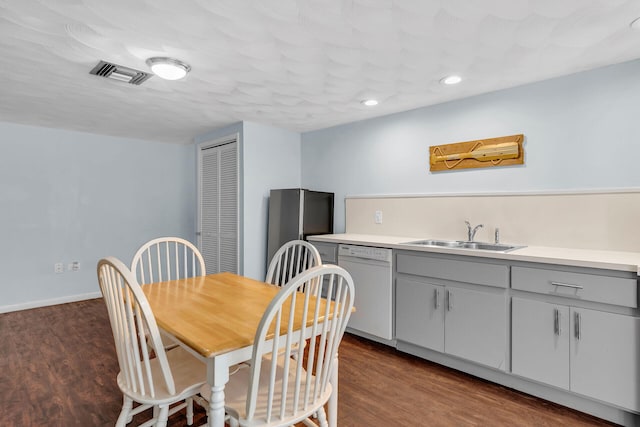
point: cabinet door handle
(556, 321)
(578, 326)
(437, 298)
(567, 285)
(559, 322)
(449, 300)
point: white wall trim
(48, 302)
(497, 193)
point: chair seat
(235, 393)
(188, 373)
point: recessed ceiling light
(168, 68)
(369, 102)
(451, 80)
(635, 25)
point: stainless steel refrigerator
(296, 213)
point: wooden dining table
(215, 318)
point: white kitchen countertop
(608, 260)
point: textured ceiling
(295, 64)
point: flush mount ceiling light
(369, 102)
(635, 25)
(168, 68)
(451, 80)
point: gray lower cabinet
(466, 323)
(562, 343)
(328, 252)
(476, 326)
(604, 357)
(540, 341)
(467, 320)
(420, 314)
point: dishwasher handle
(345, 260)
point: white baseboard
(48, 302)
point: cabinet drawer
(328, 252)
(480, 273)
(588, 287)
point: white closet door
(210, 209)
(229, 208)
(219, 206)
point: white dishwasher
(371, 269)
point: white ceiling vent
(119, 72)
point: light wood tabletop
(212, 314)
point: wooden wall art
(481, 153)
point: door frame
(228, 139)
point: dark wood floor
(58, 368)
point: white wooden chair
(276, 389)
(167, 258)
(170, 377)
(291, 259)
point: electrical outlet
(58, 267)
(378, 217)
(75, 265)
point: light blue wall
(581, 132)
(70, 196)
(269, 158)
(272, 160)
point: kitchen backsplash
(606, 221)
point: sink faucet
(471, 232)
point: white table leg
(333, 400)
(217, 377)
(216, 407)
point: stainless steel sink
(431, 242)
(489, 246)
(496, 247)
